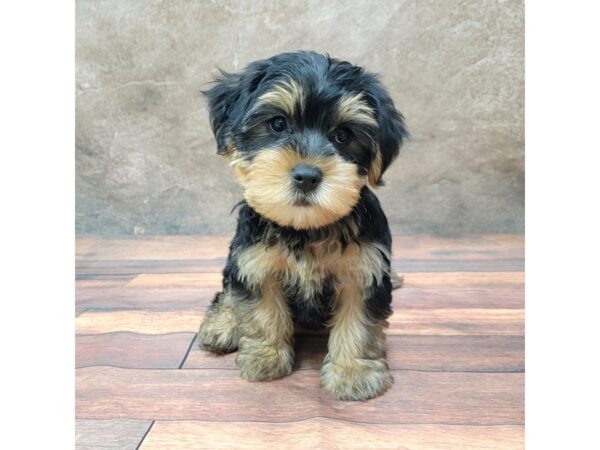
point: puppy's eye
(278, 124)
(342, 135)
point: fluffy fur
(317, 258)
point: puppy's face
(304, 134)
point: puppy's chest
(303, 272)
(309, 282)
(313, 263)
(308, 277)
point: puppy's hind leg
(219, 330)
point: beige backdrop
(145, 156)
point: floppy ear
(390, 133)
(221, 101)
(229, 98)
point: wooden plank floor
(455, 347)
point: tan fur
(397, 280)
(287, 96)
(308, 271)
(230, 150)
(268, 188)
(355, 366)
(360, 379)
(260, 262)
(375, 169)
(353, 108)
(219, 329)
(266, 329)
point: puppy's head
(304, 134)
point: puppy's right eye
(278, 124)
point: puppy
(306, 135)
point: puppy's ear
(390, 133)
(229, 98)
(222, 98)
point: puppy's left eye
(278, 124)
(342, 135)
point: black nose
(306, 178)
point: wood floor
(455, 346)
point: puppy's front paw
(218, 334)
(358, 379)
(266, 362)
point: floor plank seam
(145, 434)
(462, 336)
(187, 352)
(333, 419)
(308, 369)
(133, 334)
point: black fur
(311, 313)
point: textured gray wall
(145, 156)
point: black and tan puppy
(306, 134)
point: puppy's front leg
(266, 333)
(219, 330)
(355, 367)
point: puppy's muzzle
(306, 178)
